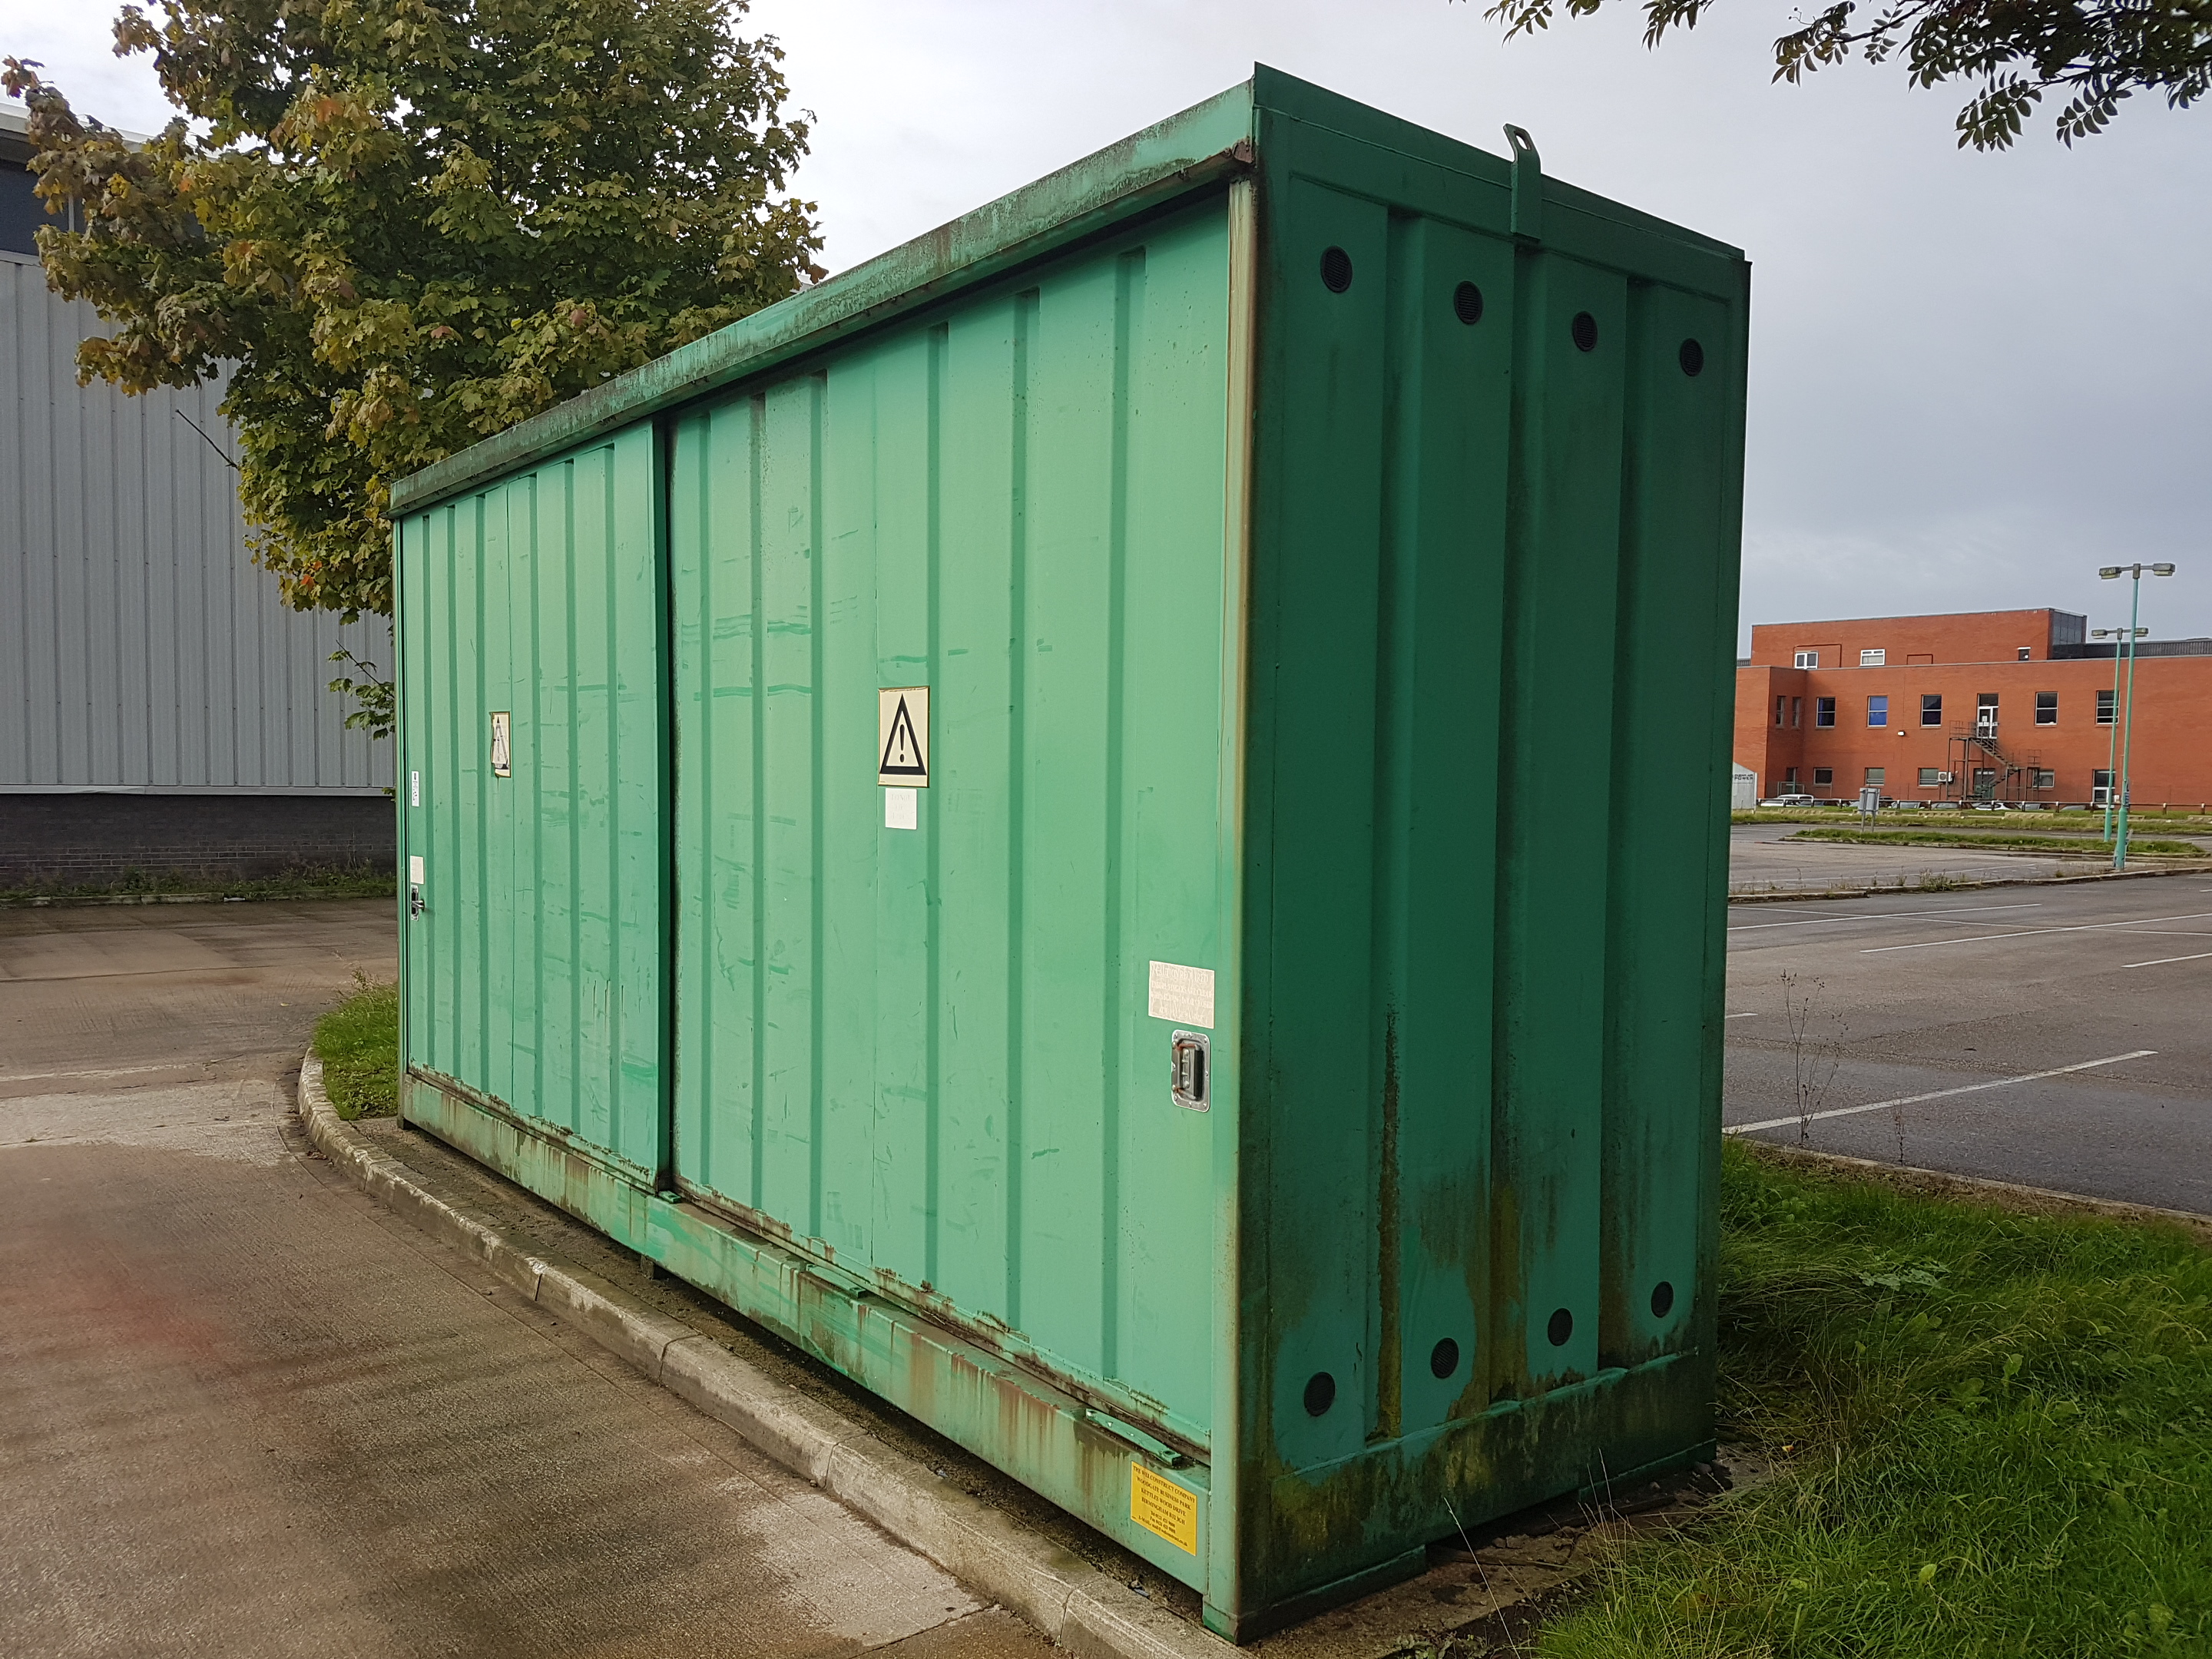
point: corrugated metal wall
(929, 1051)
(535, 974)
(139, 646)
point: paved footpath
(245, 1411)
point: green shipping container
(1116, 822)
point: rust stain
(1389, 1359)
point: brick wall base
(68, 841)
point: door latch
(1191, 1065)
(414, 905)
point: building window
(1796, 711)
(1780, 704)
(2104, 708)
(1985, 712)
(1823, 774)
(1931, 710)
(2024, 652)
(2047, 709)
(1874, 776)
(2101, 786)
(1877, 711)
(2046, 780)
(1931, 778)
(1874, 659)
(1789, 779)
(1808, 659)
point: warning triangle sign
(904, 723)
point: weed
(358, 1042)
(1813, 1060)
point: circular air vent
(1320, 1393)
(1467, 303)
(1584, 328)
(1335, 270)
(1693, 356)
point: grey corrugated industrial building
(160, 708)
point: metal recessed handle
(414, 905)
(1191, 1070)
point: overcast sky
(1974, 378)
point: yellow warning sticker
(1159, 1505)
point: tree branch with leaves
(399, 226)
(2095, 53)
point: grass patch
(1995, 1430)
(358, 1042)
(2017, 843)
(333, 881)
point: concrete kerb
(1784, 896)
(1078, 1606)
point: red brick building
(2005, 705)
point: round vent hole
(1467, 303)
(1584, 328)
(1320, 1393)
(1662, 1299)
(1693, 357)
(1336, 269)
(1561, 1328)
(1443, 1358)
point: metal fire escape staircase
(1975, 751)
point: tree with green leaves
(399, 226)
(2096, 53)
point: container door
(949, 612)
(533, 822)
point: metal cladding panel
(534, 975)
(925, 1056)
(139, 646)
(1492, 585)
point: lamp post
(2112, 744)
(2113, 572)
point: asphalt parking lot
(2059, 1036)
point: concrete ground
(2054, 1035)
(1763, 859)
(245, 1411)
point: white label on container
(415, 869)
(414, 788)
(1182, 994)
(901, 809)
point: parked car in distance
(1790, 801)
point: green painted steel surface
(535, 974)
(926, 1051)
(1325, 578)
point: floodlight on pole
(2112, 741)
(2113, 573)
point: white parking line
(2028, 932)
(1933, 1094)
(1887, 915)
(2201, 956)
(1743, 1016)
